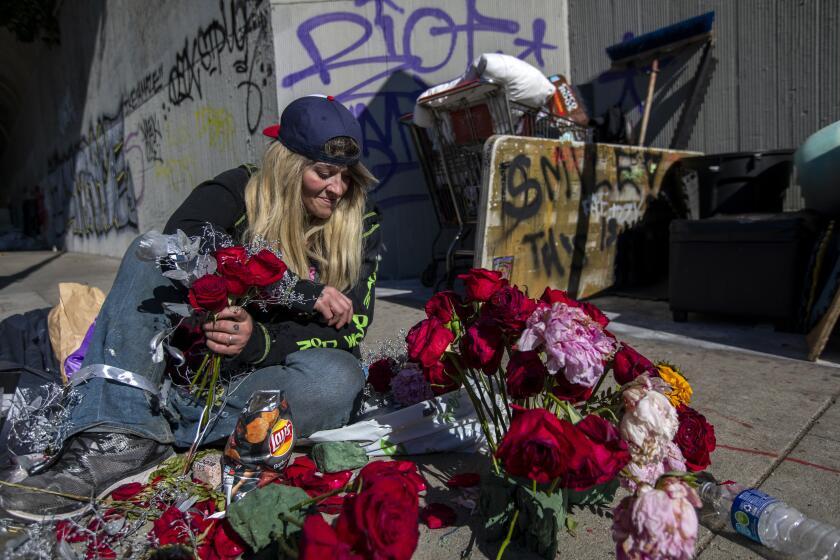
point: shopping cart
(450, 154)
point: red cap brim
(272, 131)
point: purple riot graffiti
(390, 45)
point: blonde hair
(276, 213)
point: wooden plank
(551, 211)
(819, 335)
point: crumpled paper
(336, 456)
(68, 322)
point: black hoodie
(280, 331)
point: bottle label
(747, 508)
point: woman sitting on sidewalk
(310, 196)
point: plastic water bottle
(771, 522)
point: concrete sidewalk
(776, 416)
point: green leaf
(571, 525)
(601, 495)
(390, 449)
(541, 515)
(261, 516)
(496, 505)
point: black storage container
(739, 182)
(752, 264)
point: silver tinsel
(39, 419)
(393, 348)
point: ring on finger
(230, 339)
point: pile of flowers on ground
(557, 434)
(568, 413)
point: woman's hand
(335, 307)
(229, 333)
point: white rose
(648, 425)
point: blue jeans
(322, 385)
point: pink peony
(650, 473)
(657, 524)
(649, 422)
(572, 341)
(410, 387)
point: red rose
(606, 456)
(564, 390)
(464, 480)
(125, 492)
(223, 543)
(380, 374)
(209, 293)
(230, 264)
(427, 341)
(540, 446)
(480, 283)
(509, 308)
(437, 516)
(318, 540)
(482, 347)
(381, 521)
(441, 377)
(199, 516)
(66, 531)
(629, 364)
(525, 375)
(406, 470)
(266, 268)
(552, 296)
(302, 473)
(695, 438)
(445, 305)
(99, 550)
(595, 314)
(171, 527)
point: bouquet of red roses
(218, 274)
(559, 433)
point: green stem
(316, 499)
(553, 486)
(606, 409)
(289, 519)
(509, 535)
(492, 411)
(200, 369)
(501, 382)
(477, 403)
(598, 384)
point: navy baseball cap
(308, 123)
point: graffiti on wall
(395, 50)
(95, 185)
(91, 190)
(242, 32)
(554, 208)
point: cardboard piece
(68, 322)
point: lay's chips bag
(260, 445)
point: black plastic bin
(749, 265)
(739, 182)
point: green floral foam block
(335, 456)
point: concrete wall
(775, 77)
(376, 56)
(141, 102)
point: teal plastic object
(818, 168)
